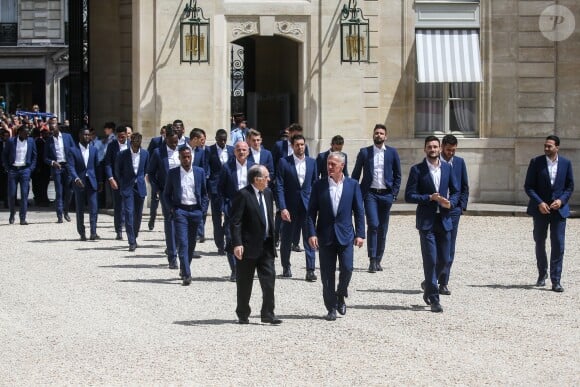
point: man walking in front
(253, 244)
(333, 203)
(432, 186)
(380, 185)
(549, 185)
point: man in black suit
(252, 232)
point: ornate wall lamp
(354, 34)
(194, 34)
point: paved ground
(76, 312)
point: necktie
(263, 215)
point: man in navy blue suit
(180, 129)
(449, 146)
(218, 155)
(380, 185)
(333, 203)
(185, 193)
(130, 168)
(200, 159)
(113, 149)
(83, 168)
(259, 154)
(234, 177)
(19, 160)
(549, 185)
(433, 187)
(56, 149)
(336, 145)
(165, 158)
(154, 201)
(294, 179)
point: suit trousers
(62, 190)
(377, 210)
(15, 177)
(132, 213)
(246, 268)
(118, 211)
(86, 195)
(288, 230)
(455, 215)
(328, 256)
(154, 205)
(169, 230)
(557, 225)
(216, 218)
(186, 224)
(435, 252)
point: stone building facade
(291, 55)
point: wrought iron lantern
(194, 34)
(354, 34)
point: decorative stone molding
(290, 28)
(244, 29)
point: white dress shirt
(187, 187)
(435, 172)
(173, 158)
(21, 149)
(136, 157)
(256, 155)
(290, 149)
(300, 169)
(122, 147)
(59, 149)
(242, 174)
(335, 191)
(379, 168)
(552, 169)
(223, 154)
(85, 153)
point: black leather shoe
(186, 281)
(443, 289)
(542, 280)
(201, 240)
(331, 316)
(378, 266)
(132, 247)
(151, 225)
(557, 287)
(221, 252)
(426, 299)
(436, 307)
(271, 320)
(119, 237)
(310, 276)
(423, 285)
(287, 273)
(372, 266)
(11, 219)
(233, 276)
(83, 237)
(23, 223)
(297, 248)
(66, 217)
(196, 255)
(243, 321)
(341, 305)
(59, 220)
(94, 237)
(173, 265)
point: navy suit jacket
(172, 191)
(266, 160)
(539, 188)
(280, 151)
(339, 229)
(200, 159)
(228, 182)
(50, 150)
(322, 167)
(158, 167)
(365, 163)
(215, 167)
(77, 169)
(291, 195)
(110, 157)
(126, 174)
(154, 144)
(419, 188)
(9, 153)
(460, 172)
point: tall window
(446, 108)
(8, 11)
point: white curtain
(8, 11)
(429, 108)
(463, 110)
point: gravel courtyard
(80, 313)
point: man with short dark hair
(253, 244)
(433, 188)
(549, 185)
(154, 201)
(113, 149)
(179, 129)
(336, 145)
(258, 154)
(449, 146)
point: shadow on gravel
(59, 240)
(137, 266)
(390, 291)
(146, 256)
(110, 248)
(191, 323)
(498, 286)
(164, 281)
(414, 308)
(210, 279)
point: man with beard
(433, 187)
(381, 169)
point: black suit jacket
(247, 226)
